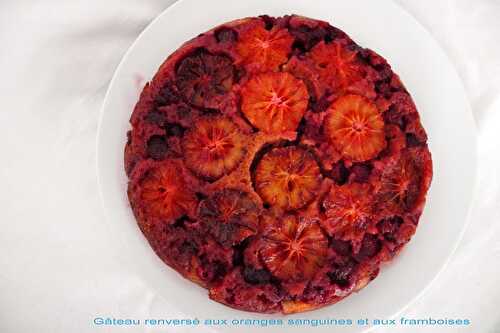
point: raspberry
(341, 247)
(214, 147)
(167, 95)
(226, 35)
(157, 147)
(156, 117)
(341, 275)
(339, 173)
(274, 102)
(294, 249)
(388, 227)
(288, 177)
(164, 194)
(236, 292)
(179, 248)
(229, 216)
(202, 77)
(355, 127)
(370, 246)
(256, 276)
(306, 37)
(265, 48)
(361, 172)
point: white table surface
(57, 271)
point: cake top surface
(277, 163)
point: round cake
(276, 163)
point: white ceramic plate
(426, 72)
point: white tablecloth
(56, 269)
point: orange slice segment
(202, 76)
(336, 64)
(355, 127)
(274, 102)
(229, 216)
(293, 249)
(164, 194)
(288, 178)
(403, 182)
(348, 210)
(266, 48)
(214, 147)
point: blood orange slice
(274, 102)
(404, 180)
(164, 193)
(265, 48)
(348, 210)
(293, 249)
(203, 76)
(336, 64)
(355, 127)
(230, 216)
(214, 147)
(288, 178)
